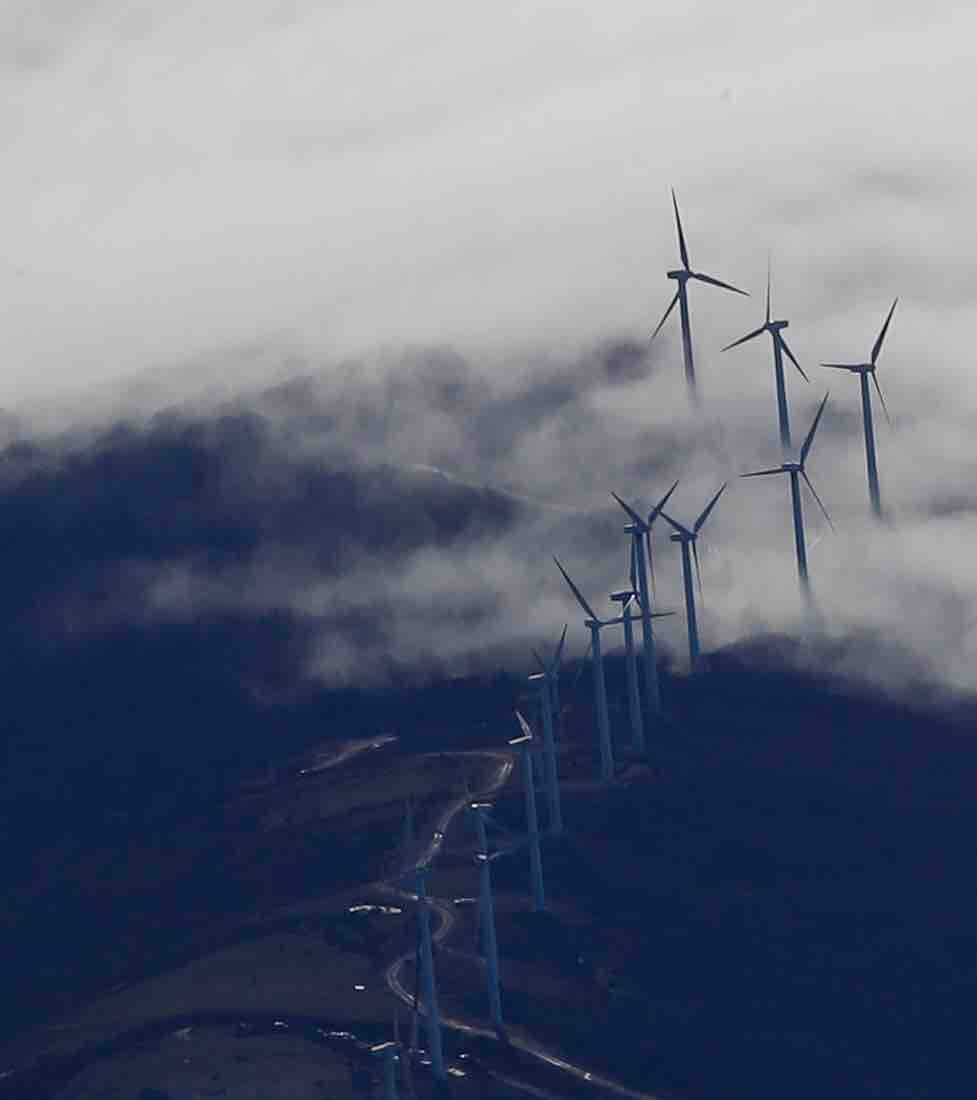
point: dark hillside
(784, 909)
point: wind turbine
(688, 541)
(641, 566)
(490, 945)
(428, 982)
(595, 625)
(388, 1053)
(681, 276)
(408, 840)
(780, 348)
(864, 371)
(796, 471)
(524, 742)
(624, 598)
(547, 679)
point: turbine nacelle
(797, 467)
(488, 857)
(681, 274)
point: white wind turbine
(864, 372)
(682, 276)
(642, 567)
(428, 982)
(388, 1053)
(547, 682)
(780, 348)
(490, 945)
(595, 625)
(796, 471)
(688, 542)
(625, 598)
(524, 743)
(408, 840)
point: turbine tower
(490, 945)
(624, 598)
(864, 372)
(408, 840)
(388, 1053)
(688, 541)
(780, 348)
(642, 566)
(796, 471)
(681, 276)
(524, 742)
(428, 982)
(547, 680)
(595, 625)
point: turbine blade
(878, 389)
(662, 614)
(877, 346)
(697, 526)
(526, 728)
(743, 339)
(718, 282)
(678, 526)
(576, 591)
(580, 668)
(683, 251)
(540, 662)
(842, 366)
(671, 306)
(768, 288)
(654, 513)
(633, 566)
(635, 518)
(651, 564)
(790, 355)
(698, 569)
(806, 448)
(763, 473)
(814, 493)
(558, 655)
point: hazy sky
(184, 177)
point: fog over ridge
(375, 287)
(405, 510)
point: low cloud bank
(404, 511)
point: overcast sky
(184, 177)
(310, 181)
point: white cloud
(354, 175)
(206, 185)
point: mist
(403, 511)
(390, 279)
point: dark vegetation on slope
(788, 897)
(125, 724)
(785, 908)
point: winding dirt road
(446, 921)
